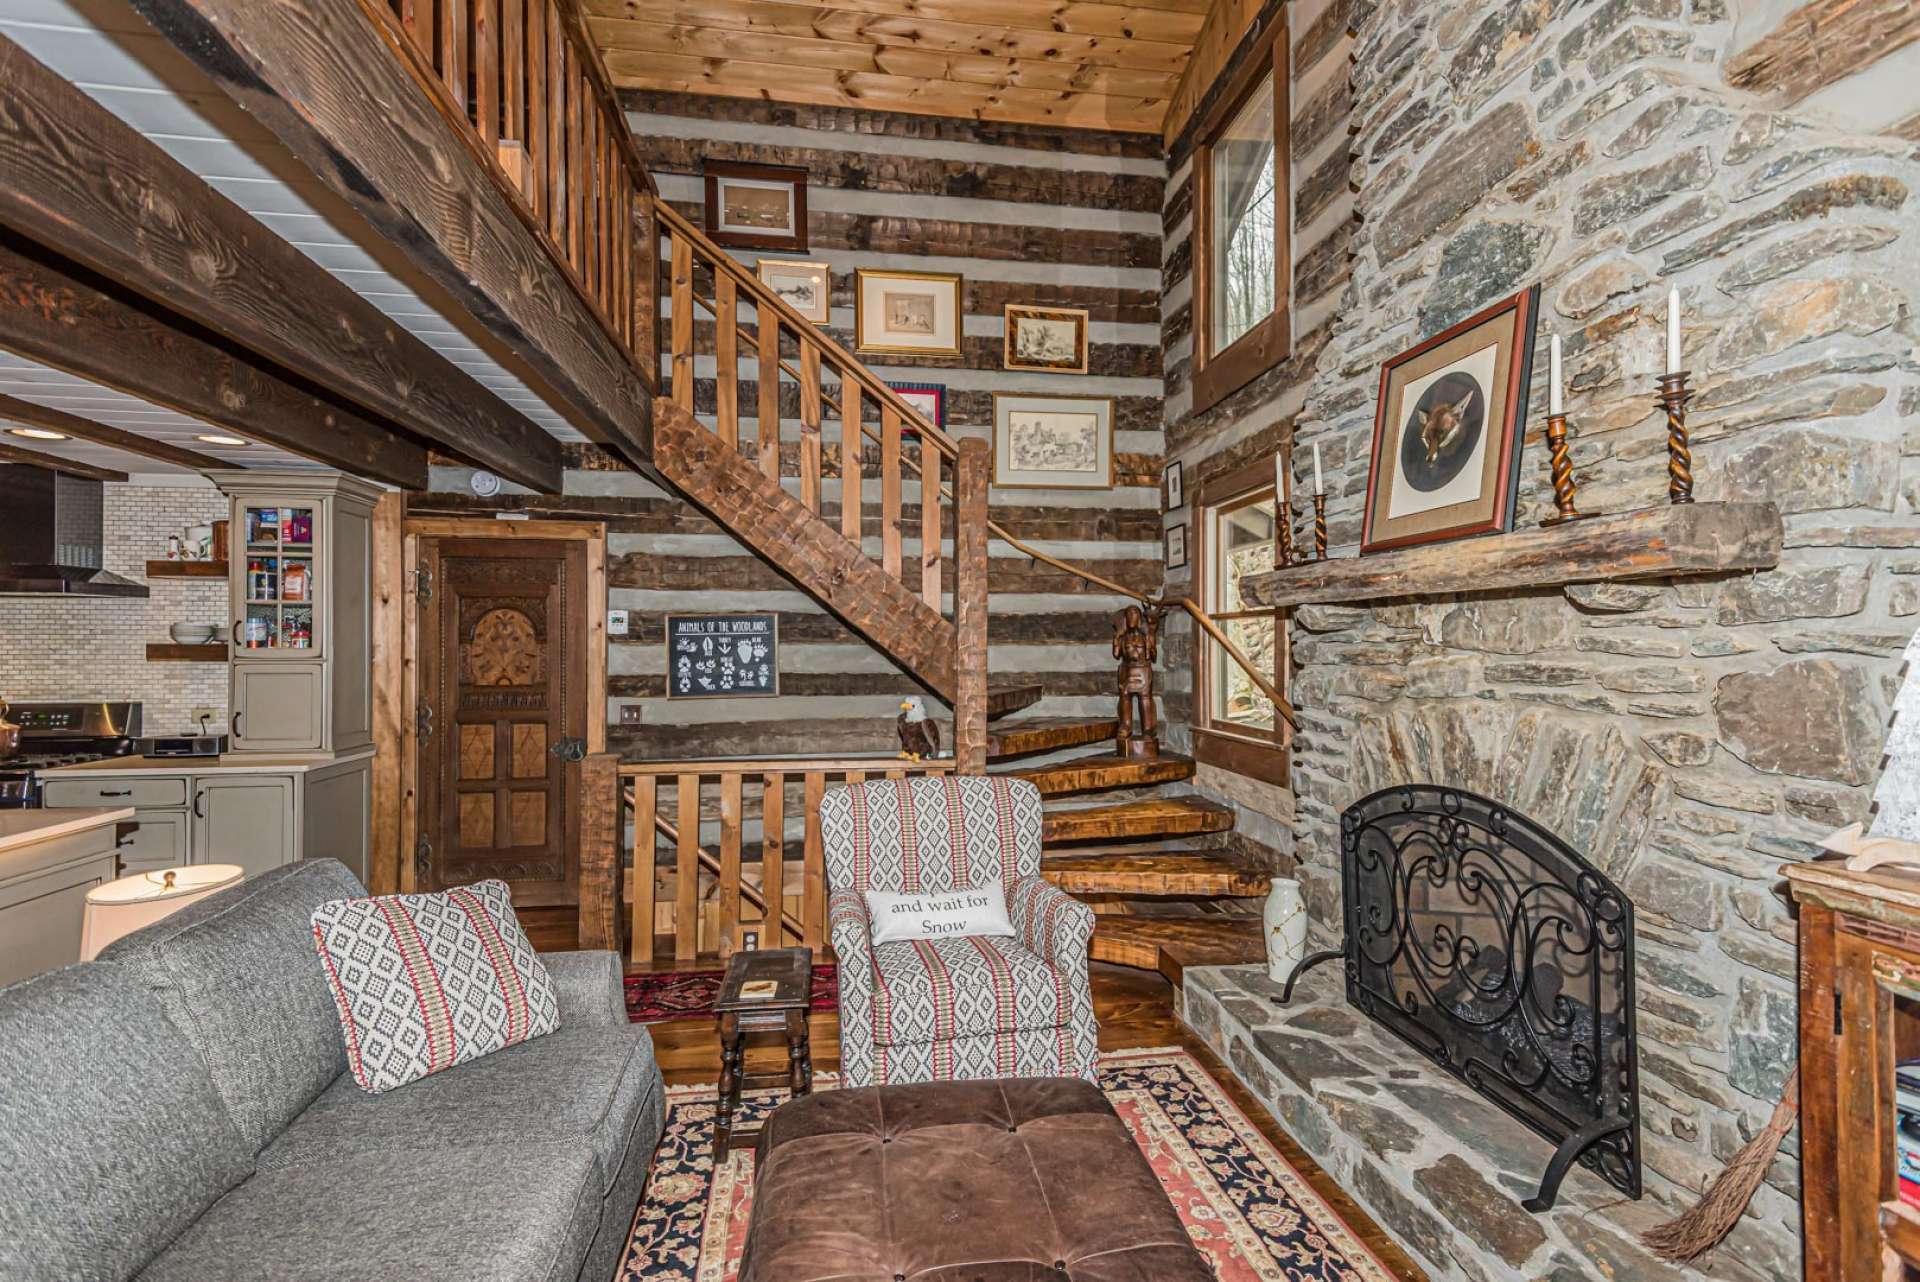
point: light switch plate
(629, 714)
(617, 623)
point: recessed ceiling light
(37, 433)
(232, 442)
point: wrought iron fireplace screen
(1495, 949)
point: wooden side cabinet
(1859, 1019)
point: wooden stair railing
(541, 113)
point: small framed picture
(1447, 430)
(1050, 340)
(805, 287)
(1177, 546)
(1174, 479)
(756, 206)
(930, 399)
(906, 313)
(1052, 442)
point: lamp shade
(121, 907)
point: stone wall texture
(1691, 735)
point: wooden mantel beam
(94, 190)
(27, 414)
(322, 76)
(55, 313)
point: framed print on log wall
(930, 399)
(1177, 546)
(1447, 430)
(906, 313)
(1047, 340)
(1174, 478)
(756, 206)
(1052, 442)
(805, 287)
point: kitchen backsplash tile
(96, 647)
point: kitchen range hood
(50, 536)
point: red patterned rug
(1250, 1212)
(689, 994)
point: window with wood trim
(1235, 725)
(1242, 260)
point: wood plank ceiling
(1081, 63)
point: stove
(63, 733)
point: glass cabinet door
(276, 578)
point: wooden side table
(747, 1005)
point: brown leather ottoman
(1030, 1179)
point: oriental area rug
(1248, 1210)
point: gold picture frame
(1045, 340)
(907, 313)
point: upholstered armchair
(947, 1009)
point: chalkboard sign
(722, 656)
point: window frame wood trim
(1256, 754)
(1217, 376)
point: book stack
(1906, 1100)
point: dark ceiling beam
(61, 315)
(321, 76)
(27, 414)
(53, 462)
(88, 186)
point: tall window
(1235, 723)
(1242, 264)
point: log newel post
(602, 827)
(971, 474)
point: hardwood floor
(1134, 1009)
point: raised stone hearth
(1442, 1169)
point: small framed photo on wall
(906, 313)
(1047, 340)
(1177, 546)
(756, 206)
(805, 287)
(1174, 480)
(1052, 442)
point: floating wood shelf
(186, 569)
(167, 652)
(1691, 538)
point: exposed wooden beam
(90, 187)
(1821, 42)
(27, 414)
(1057, 18)
(323, 77)
(56, 314)
(1225, 25)
(34, 458)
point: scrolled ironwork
(1495, 949)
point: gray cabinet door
(278, 707)
(243, 819)
(158, 840)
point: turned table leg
(732, 1043)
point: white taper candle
(1319, 487)
(1554, 400)
(1673, 331)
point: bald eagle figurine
(919, 733)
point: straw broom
(1720, 1207)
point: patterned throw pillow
(424, 982)
(939, 914)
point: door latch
(423, 585)
(422, 862)
(572, 748)
(423, 721)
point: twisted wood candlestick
(1319, 527)
(1563, 487)
(1673, 398)
(1283, 527)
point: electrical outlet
(617, 623)
(204, 716)
(749, 940)
(630, 714)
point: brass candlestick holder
(1319, 527)
(1674, 396)
(1563, 487)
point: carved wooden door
(502, 714)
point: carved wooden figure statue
(1136, 643)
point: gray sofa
(181, 1110)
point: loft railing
(524, 82)
(721, 847)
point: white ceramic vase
(1286, 917)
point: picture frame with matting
(1176, 539)
(755, 206)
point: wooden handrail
(1212, 629)
(708, 766)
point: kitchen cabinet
(156, 839)
(48, 863)
(278, 707)
(243, 819)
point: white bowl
(220, 633)
(191, 633)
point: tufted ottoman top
(1028, 1179)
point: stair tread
(1010, 697)
(1154, 817)
(1158, 872)
(1105, 770)
(1171, 944)
(1044, 733)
